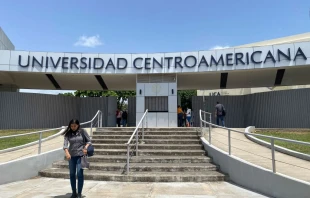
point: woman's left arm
(87, 139)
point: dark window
(156, 103)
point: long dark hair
(68, 130)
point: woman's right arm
(66, 147)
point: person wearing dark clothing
(220, 114)
(124, 118)
(118, 117)
(180, 116)
(76, 142)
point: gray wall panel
(131, 111)
(278, 109)
(26, 111)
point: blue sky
(145, 26)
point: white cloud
(39, 91)
(218, 47)
(91, 41)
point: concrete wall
(280, 109)
(30, 111)
(256, 178)
(131, 121)
(28, 167)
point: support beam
(53, 81)
(223, 82)
(101, 82)
(279, 77)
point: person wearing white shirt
(188, 116)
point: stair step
(149, 159)
(148, 129)
(151, 152)
(146, 132)
(151, 146)
(201, 176)
(147, 141)
(185, 137)
(148, 167)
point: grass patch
(294, 135)
(17, 141)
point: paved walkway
(259, 155)
(60, 188)
(48, 145)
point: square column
(158, 94)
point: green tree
(122, 96)
(67, 94)
(186, 97)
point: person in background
(188, 117)
(124, 118)
(118, 117)
(180, 116)
(79, 141)
(220, 113)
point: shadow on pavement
(65, 196)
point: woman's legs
(72, 167)
(118, 122)
(189, 120)
(80, 176)
(75, 166)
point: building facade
(157, 76)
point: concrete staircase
(167, 155)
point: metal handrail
(252, 134)
(135, 133)
(98, 114)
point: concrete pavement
(259, 155)
(60, 188)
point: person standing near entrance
(118, 117)
(188, 117)
(220, 113)
(180, 116)
(124, 118)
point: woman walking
(79, 140)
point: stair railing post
(91, 128)
(229, 143)
(40, 143)
(273, 156)
(137, 141)
(98, 125)
(128, 159)
(143, 129)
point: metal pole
(205, 118)
(101, 119)
(143, 130)
(40, 141)
(229, 143)
(128, 159)
(98, 120)
(210, 134)
(137, 141)
(210, 118)
(147, 120)
(91, 128)
(273, 156)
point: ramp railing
(96, 121)
(204, 123)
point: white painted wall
(28, 167)
(257, 178)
